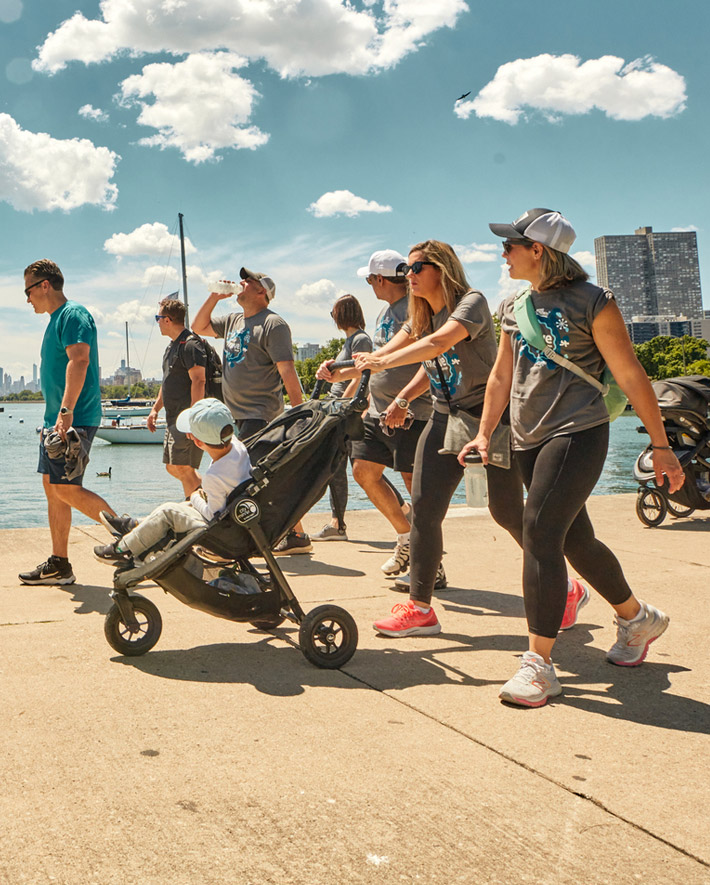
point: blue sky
(297, 136)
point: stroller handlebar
(360, 393)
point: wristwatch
(401, 402)
(65, 411)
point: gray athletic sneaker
(401, 584)
(330, 533)
(634, 637)
(533, 684)
(398, 562)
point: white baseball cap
(209, 420)
(545, 226)
(384, 262)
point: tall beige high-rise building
(651, 274)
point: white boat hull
(132, 434)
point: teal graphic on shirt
(553, 324)
(449, 363)
(236, 346)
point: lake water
(139, 481)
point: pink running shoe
(408, 620)
(577, 598)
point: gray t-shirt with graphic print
(384, 386)
(358, 342)
(467, 365)
(547, 400)
(251, 382)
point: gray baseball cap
(262, 278)
(546, 226)
(209, 420)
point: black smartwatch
(65, 411)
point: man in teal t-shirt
(69, 375)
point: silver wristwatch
(64, 410)
(401, 402)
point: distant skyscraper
(651, 274)
(34, 374)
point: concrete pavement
(223, 756)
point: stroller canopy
(690, 393)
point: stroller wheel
(328, 636)
(268, 622)
(134, 642)
(651, 507)
(679, 510)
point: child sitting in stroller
(209, 423)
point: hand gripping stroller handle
(360, 394)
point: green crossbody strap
(530, 329)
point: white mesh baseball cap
(262, 278)
(545, 226)
(384, 262)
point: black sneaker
(110, 555)
(294, 542)
(53, 571)
(117, 525)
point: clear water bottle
(475, 480)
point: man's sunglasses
(508, 245)
(160, 316)
(29, 288)
(415, 267)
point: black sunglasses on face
(415, 267)
(508, 245)
(27, 290)
(160, 316)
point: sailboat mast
(128, 362)
(184, 271)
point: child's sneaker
(634, 637)
(398, 562)
(408, 620)
(53, 571)
(117, 525)
(577, 598)
(533, 684)
(109, 554)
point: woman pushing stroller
(560, 431)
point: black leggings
(559, 476)
(433, 484)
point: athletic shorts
(395, 451)
(179, 450)
(54, 467)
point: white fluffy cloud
(199, 105)
(45, 173)
(89, 112)
(131, 312)
(682, 230)
(563, 84)
(319, 294)
(475, 253)
(586, 259)
(148, 239)
(344, 203)
(295, 38)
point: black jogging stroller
(293, 460)
(684, 409)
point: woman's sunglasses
(415, 267)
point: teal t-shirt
(70, 324)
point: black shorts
(179, 450)
(54, 467)
(395, 451)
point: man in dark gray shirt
(183, 385)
